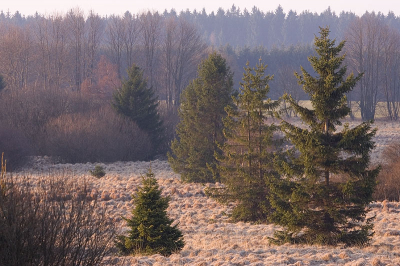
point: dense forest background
(58, 71)
(79, 41)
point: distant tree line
(61, 70)
(86, 52)
(90, 53)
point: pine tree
(200, 129)
(136, 101)
(324, 192)
(246, 164)
(150, 228)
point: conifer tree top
(328, 88)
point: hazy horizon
(119, 7)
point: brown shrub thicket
(29, 110)
(388, 186)
(96, 136)
(52, 222)
(73, 126)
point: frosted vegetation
(209, 236)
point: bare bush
(51, 221)
(97, 136)
(70, 125)
(29, 110)
(388, 186)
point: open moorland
(209, 236)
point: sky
(118, 7)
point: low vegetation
(51, 222)
(388, 181)
(98, 171)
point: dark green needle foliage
(246, 164)
(136, 101)
(325, 190)
(151, 231)
(200, 128)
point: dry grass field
(209, 236)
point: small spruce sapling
(98, 171)
(151, 231)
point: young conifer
(136, 101)
(246, 164)
(151, 231)
(324, 192)
(200, 129)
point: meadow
(209, 236)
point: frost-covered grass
(210, 238)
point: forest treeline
(58, 72)
(90, 53)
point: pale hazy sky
(118, 7)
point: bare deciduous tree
(94, 34)
(76, 26)
(183, 50)
(16, 56)
(131, 36)
(367, 45)
(151, 24)
(116, 31)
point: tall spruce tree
(137, 101)
(200, 129)
(246, 164)
(324, 192)
(151, 230)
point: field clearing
(210, 238)
(381, 109)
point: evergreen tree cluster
(319, 189)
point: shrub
(151, 231)
(98, 171)
(388, 181)
(51, 222)
(97, 136)
(30, 110)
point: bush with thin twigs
(51, 222)
(388, 181)
(97, 136)
(29, 110)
